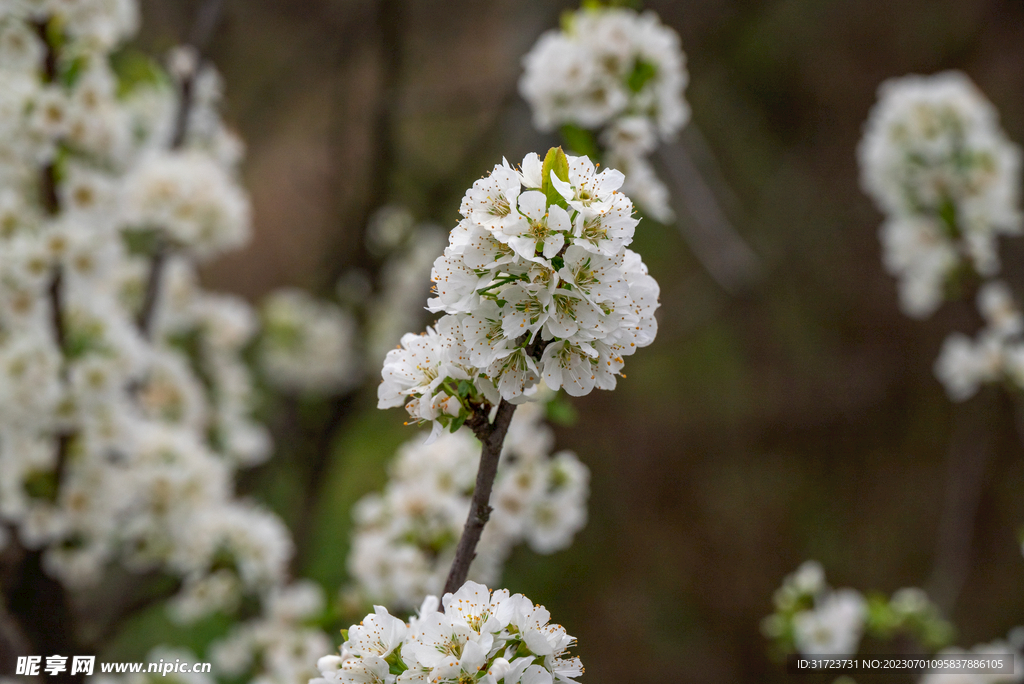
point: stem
(719, 248)
(969, 453)
(492, 437)
(503, 280)
(386, 32)
(41, 607)
(322, 451)
(152, 295)
(199, 38)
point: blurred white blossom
(405, 537)
(936, 162)
(621, 74)
(308, 345)
(119, 442)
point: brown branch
(199, 39)
(56, 296)
(388, 35)
(12, 640)
(147, 313)
(718, 247)
(40, 605)
(969, 453)
(50, 57)
(338, 408)
(492, 438)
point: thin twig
(970, 450)
(389, 36)
(492, 438)
(199, 39)
(316, 475)
(12, 641)
(157, 261)
(720, 249)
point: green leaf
(947, 212)
(135, 69)
(558, 262)
(457, 422)
(561, 412)
(464, 388)
(567, 21)
(70, 73)
(581, 141)
(556, 161)
(643, 72)
(41, 484)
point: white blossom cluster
(476, 636)
(279, 647)
(996, 354)
(1013, 646)
(813, 619)
(537, 282)
(405, 537)
(819, 620)
(621, 74)
(119, 441)
(936, 162)
(308, 345)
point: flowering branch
(37, 601)
(199, 38)
(492, 437)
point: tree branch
(492, 437)
(720, 249)
(199, 39)
(970, 450)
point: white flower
(192, 198)
(308, 345)
(996, 304)
(491, 202)
(937, 164)
(963, 365)
(377, 635)
(556, 295)
(619, 73)
(470, 640)
(834, 627)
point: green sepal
(396, 665)
(41, 484)
(947, 213)
(135, 69)
(643, 71)
(556, 161)
(457, 422)
(70, 73)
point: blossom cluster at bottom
(477, 635)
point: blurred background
(785, 412)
